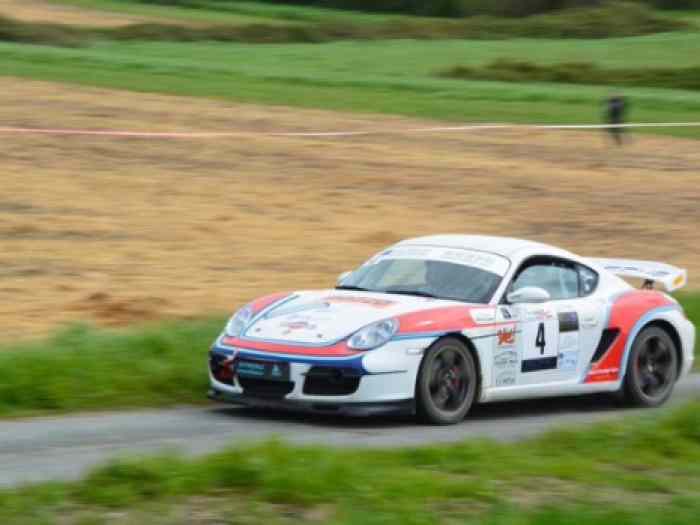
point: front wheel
(447, 383)
(652, 368)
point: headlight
(239, 322)
(373, 335)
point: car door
(549, 342)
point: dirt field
(124, 230)
(45, 11)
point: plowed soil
(122, 230)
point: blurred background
(121, 255)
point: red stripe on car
(446, 319)
(625, 313)
(258, 305)
(337, 350)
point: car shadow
(512, 410)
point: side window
(589, 280)
(559, 279)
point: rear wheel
(652, 368)
(447, 383)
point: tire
(447, 383)
(652, 369)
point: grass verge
(83, 368)
(506, 70)
(641, 471)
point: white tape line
(228, 134)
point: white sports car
(432, 325)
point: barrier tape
(330, 134)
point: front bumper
(380, 381)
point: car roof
(505, 246)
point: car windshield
(445, 274)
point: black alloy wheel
(447, 382)
(652, 369)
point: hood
(325, 317)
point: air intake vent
(327, 381)
(264, 388)
(606, 340)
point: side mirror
(528, 294)
(342, 277)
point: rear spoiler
(670, 277)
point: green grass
(83, 368)
(388, 76)
(644, 470)
(396, 77)
(613, 19)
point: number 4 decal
(540, 341)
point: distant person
(615, 110)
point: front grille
(329, 381)
(220, 366)
(265, 388)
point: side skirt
(547, 390)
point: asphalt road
(62, 448)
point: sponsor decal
(295, 326)
(568, 341)
(568, 360)
(506, 378)
(506, 359)
(607, 374)
(539, 314)
(368, 301)
(474, 258)
(505, 364)
(411, 252)
(506, 336)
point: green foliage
(506, 70)
(640, 459)
(84, 368)
(674, 4)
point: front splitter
(364, 409)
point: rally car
(432, 325)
